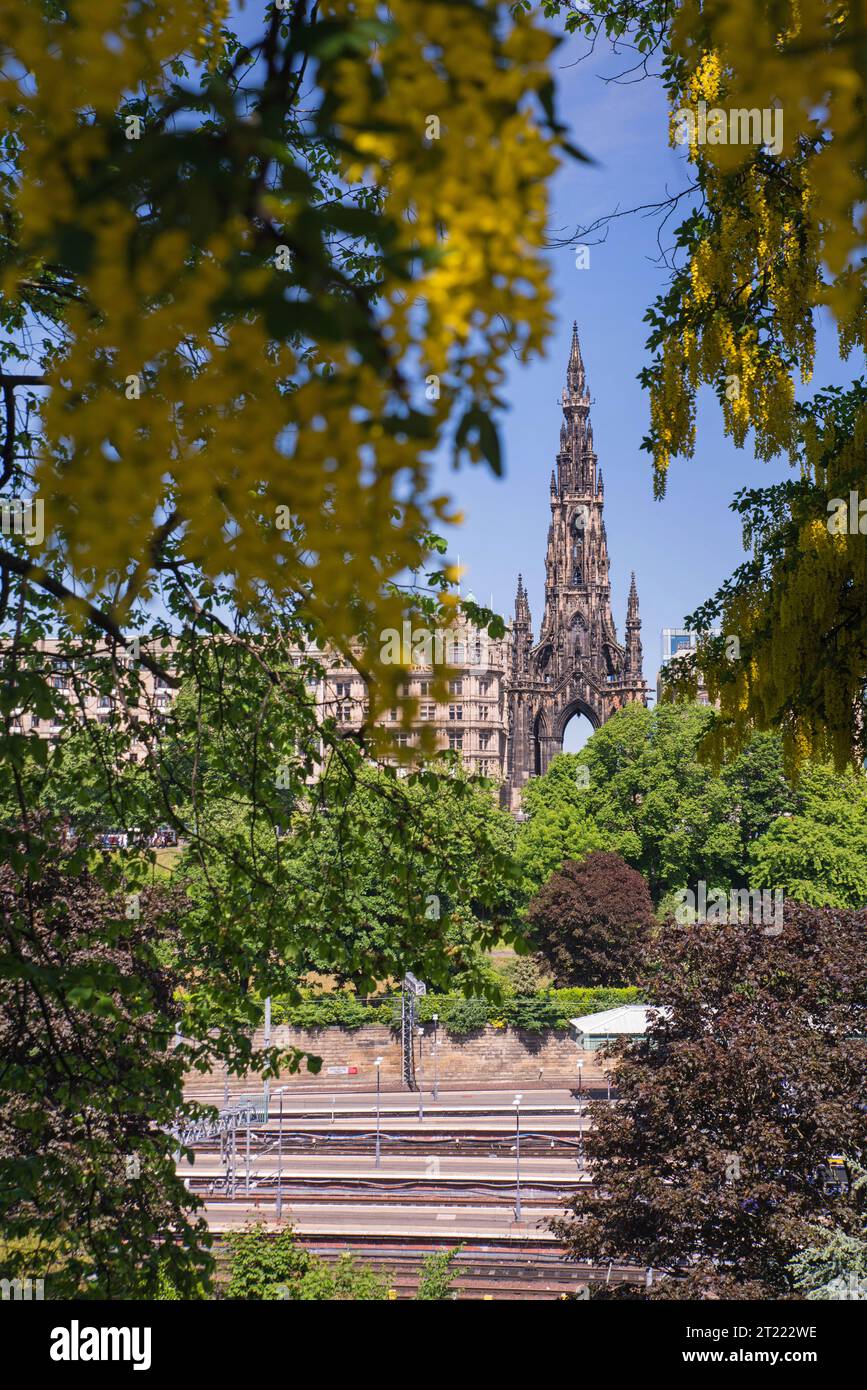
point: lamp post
(420, 1075)
(280, 1157)
(247, 1173)
(517, 1104)
(436, 1019)
(580, 1068)
(377, 1062)
(266, 1087)
(234, 1155)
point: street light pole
(234, 1158)
(266, 1087)
(517, 1103)
(377, 1062)
(280, 1158)
(420, 1075)
(436, 1044)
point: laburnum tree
(275, 274)
(712, 1168)
(590, 920)
(250, 284)
(771, 232)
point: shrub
(522, 974)
(457, 1013)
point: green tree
(555, 834)
(835, 1265)
(638, 788)
(438, 1275)
(271, 1265)
(262, 1262)
(818, 854)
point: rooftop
(628, 1019)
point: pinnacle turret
(634, 651)
(632, 604)
(522, 605)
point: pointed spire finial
(575, 370)
(522, 606)
(632, 603)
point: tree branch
(35, 574)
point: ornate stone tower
(577, 666)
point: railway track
(467, 1143)
(494, 1192)
(457, 1167)
(489, 1269)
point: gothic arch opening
(576, 732)
(574, 726)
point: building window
(456, 738)
(456, 712)
(392, 715)
(424, 687)
(484, 711)
(402, 739)
(484, 740)
(343, 689)
(456, 687)
(428, 711)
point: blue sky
(680, 548)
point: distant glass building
(675, 642)
(677, 639)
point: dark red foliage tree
(590, 920)
(710, 1164)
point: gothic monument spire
(578, 666)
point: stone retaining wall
(487, 1056)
